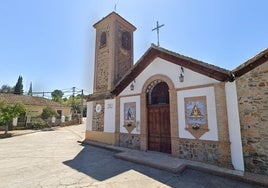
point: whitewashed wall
(15, 121)
(89, 116)
(109, 116)
(212, 134)
(234, 126)
(124, 100)
(171, 70)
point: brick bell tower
(113, 53)
(113, 59)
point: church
(171, 103)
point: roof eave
(190, 63)
(120, 17)
(252, 63)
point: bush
(48, 112)
(38, 123)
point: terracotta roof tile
(28, 100)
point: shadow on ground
(100, 164)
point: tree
(6, 89)
(8, 112)
(19, 87)
(57, 95)
(76, 104)
(48, 112)
(30, 92)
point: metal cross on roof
(157, 29)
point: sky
(51, 43)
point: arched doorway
(159, 136)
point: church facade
(175, 104)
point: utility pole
(73, 98)
(82, 100)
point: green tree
(57, 95)
(48, 112)
(6, 89)
(30, 92)
(75, 103)
(8, 112)
(19, 87)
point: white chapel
(171, 103)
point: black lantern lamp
(181, 77)
(132, 85)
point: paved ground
(56, 159)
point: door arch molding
(173, 111)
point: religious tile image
(196, 112)
(130, 116)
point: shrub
(48, 112)
(38, 123)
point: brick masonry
(222, 122)
(101, 75)
(112, 60)
(252, 91)
(123, 57)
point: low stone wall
(129, 141)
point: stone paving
(54, 158)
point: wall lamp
(181, 77)
(132, 86)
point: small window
(103, 39)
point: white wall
(171, 70)
(124, 100)
(89, 116)
(109, 116)
(212, 134)
(15, 121)
(234, 126)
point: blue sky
(51, 42)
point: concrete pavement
(172, 164)
(54, 158)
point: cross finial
(115, 7)
(157, 29)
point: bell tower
(113, 52)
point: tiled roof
(154, 51)
(28, 100)
(114, 14)
(250, 64)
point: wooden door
(159, 138)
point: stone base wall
(199, 151)
(98, 117)
(129, 141)
(252, 91)
(203, 151)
